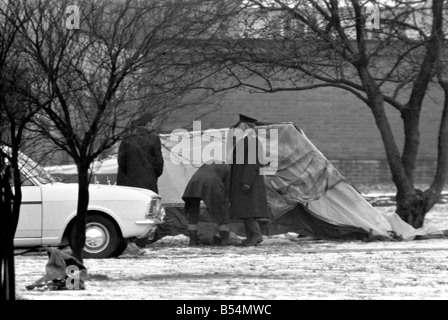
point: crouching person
(210, 183)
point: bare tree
(7, 275)
(15, 121)
(128, 58)
(15, 117)
(304, 45)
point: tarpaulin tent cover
(308, 191)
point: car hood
(145, 191)
(69, 191)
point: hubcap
(97, 237)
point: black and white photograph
(223, 155)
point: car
(116, 214)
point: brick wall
(339, 124)
(371, 172)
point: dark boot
(248, 231)
(256, 236)
(194, 241)
(264, 227)
(225, 239)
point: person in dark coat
(210, 183)
(140, 160)
(248, 200)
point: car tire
(121, 247)
(141, 243)
(103, 238)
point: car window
(27, 182)
(36, 170)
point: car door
(29, 228)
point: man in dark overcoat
(248, 200)
(140, 160)
(210, 183)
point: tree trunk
(438, 183)
(7, 274)
(376, 104)
(17, 198)
(412, 205)
(83, 203)
(412, 208)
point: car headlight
(155, 211)
(162, 215)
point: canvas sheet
(303, 173)
(343, 205)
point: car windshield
(36, 170)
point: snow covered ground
(283, 267)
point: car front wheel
(103, 238)
(123, 245)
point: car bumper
(146, 222)
(150, 224)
